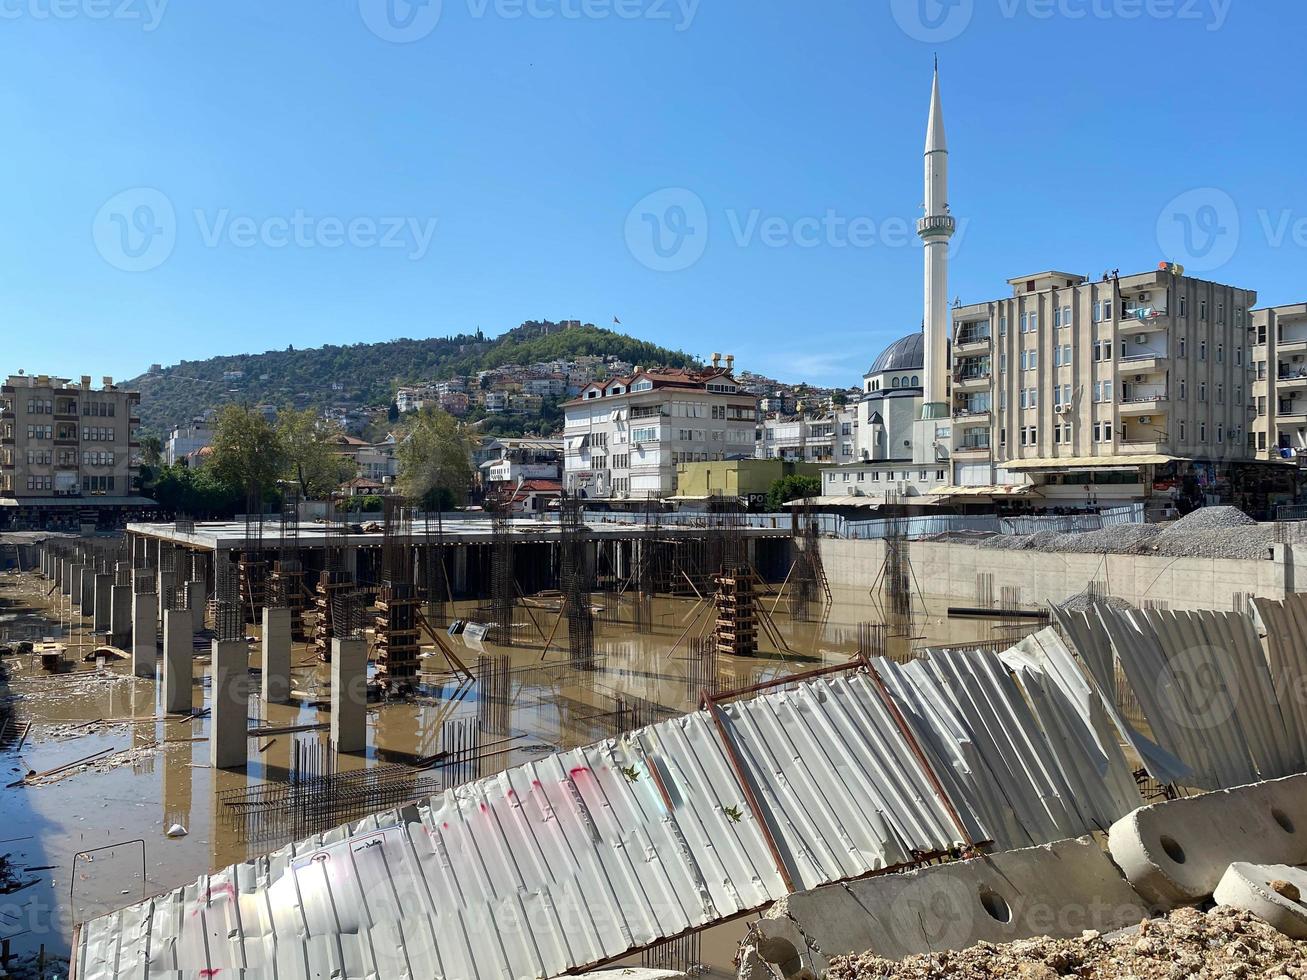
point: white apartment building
(187, 439)
(1279, 383)
(1068, 378)
(819, 437)
(624, 437)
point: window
(895, 382)
(1202, 350)
(1034, 322)
(1066, 316)
(1220, 353)
(1024, 320)
(1057, 317)
(1202, 391)
(1002, 326)
(1202, 309)
(1002, 437)
(1238, 356)
(1183, 395)
(1220, 394)
(939, 474)
(1002, 363)
(1184, 305)
(1220, 433)
(1202, 431)
(1220, 317)
(916, 381)
(1182, 347)
(1182, 432)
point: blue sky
(188, 178)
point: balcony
(1133, 447)
(1146, 404)
(971, 416)
(66, 441)
(1294, 345)
(1136, 319)
(1146, 362)
(1291, 377)
(969, 448)
(971, 342)
(971, 380)
(936, 225)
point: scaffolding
(894, 586)
(809, 583)
(335, 600)
(503, 583)
(398, 649)
(435, 576)
(228, 620)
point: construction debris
(1210, 532)
(1221, 943)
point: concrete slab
(1056, 890)
(229, 718)
(1175, 853)
(349, 694)
(178, 661)
(1249, 887)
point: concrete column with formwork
(229, 712)
(276, 655)
(178, 661)
(145, 634)
(120, 616)
(102, 611)
(86, 591)
(460, 570)
(349, 694)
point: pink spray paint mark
(579, 771)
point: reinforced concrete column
(229, 713)
(178, 661)
(196, 597)
(460, 570)
(276, 655)
(145, 634)
(120, 610)
(74, 582)
(86, 591)
(349, 694)
(102, 611)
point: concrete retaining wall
(952, 569)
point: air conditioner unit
(1139, 377)
(1146, 419)
(1140, 338)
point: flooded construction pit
(109, 800)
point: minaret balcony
(936, 226)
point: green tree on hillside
(435, 459)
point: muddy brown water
(154, 772)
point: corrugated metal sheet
(1205, 686)
(581, 857)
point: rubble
(1187, 943)
(1210, 532)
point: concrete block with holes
(1056, 890)
(1175, 853)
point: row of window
(922, 476)
(906, 381)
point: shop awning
(1086, 462)
(990, 491)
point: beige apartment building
(1089, 386)
(1279, 384)
(66, 449)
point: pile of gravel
(1187, 943)
(1085, 601)
(1210, 532)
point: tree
(246, 450)
(792, 487)
(309, 446)
(435, 459)
(392, 413)
(151, 451)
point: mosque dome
(905, 354)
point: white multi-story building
(624, 437)
(187, 439)
(817, 437)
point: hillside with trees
(368, 374)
